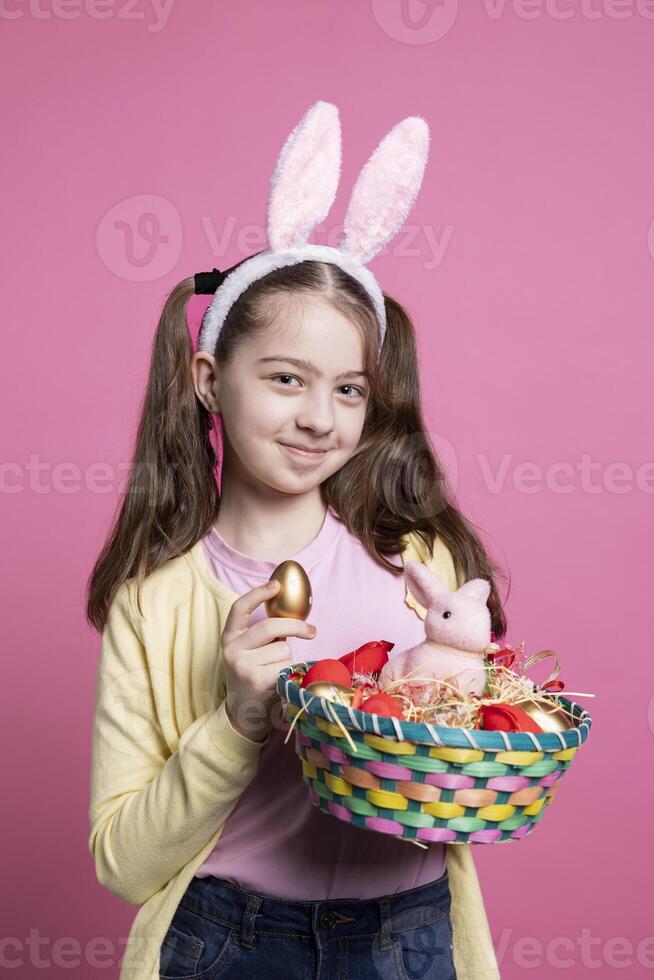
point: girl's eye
(278, 377)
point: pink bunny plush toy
(457, 632)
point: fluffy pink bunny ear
(386, 189)
(424, 584)
(305, 180)
(477, 588)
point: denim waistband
(253, 913)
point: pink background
(535, 326)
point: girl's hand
(253, 657)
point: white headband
(302, 190)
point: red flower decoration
(368, 658)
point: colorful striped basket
(426, 782)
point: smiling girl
(198, 810)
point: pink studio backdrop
(139, 149)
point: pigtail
(171, 497)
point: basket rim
(434, 735)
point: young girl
(198, 810)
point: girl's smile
(310, 455)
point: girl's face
(270, 402)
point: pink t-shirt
(275, 841)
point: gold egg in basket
(333, 692)
(293, 601)
(547, 714)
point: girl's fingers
(275, 628)
(244, 606)
(273, 653)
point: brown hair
(393, 484)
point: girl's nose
(316, 414)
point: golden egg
(293, 601)
(333, 692)
(547, 714)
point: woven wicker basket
(425, 782)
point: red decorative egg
(383, 704)
(328, 670)
(368, 658)
(507, 718)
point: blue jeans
(220, 930)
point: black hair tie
(208, 282)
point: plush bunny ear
(476, 588)
(386, 189)
(424, 584)
(303, 186)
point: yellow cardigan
(167, 767)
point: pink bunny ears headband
(302, 190)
